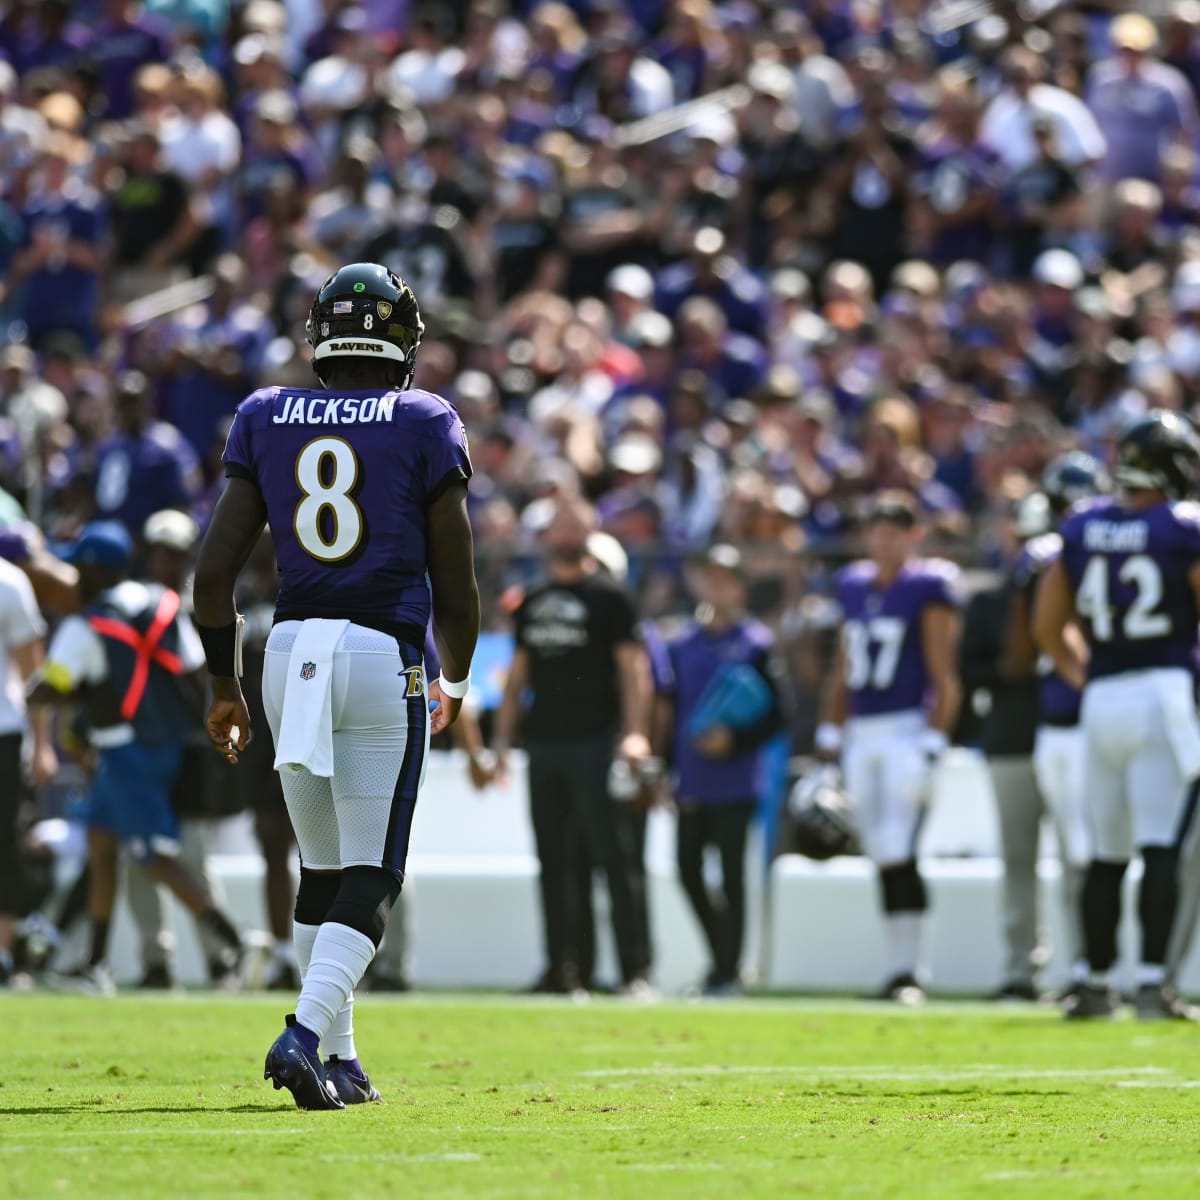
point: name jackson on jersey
(308, 409)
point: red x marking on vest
(146, 646)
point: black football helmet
(1073, 477)
(822, 818)
(1160, 452)
(366, 311)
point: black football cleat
(289, 1065)
(1162, 1003)
(903, 989)
(350, 1088)
(1086, 1001)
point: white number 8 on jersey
(333, 458)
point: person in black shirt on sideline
(578, 653)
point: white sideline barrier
(452, 818)
(825, 932)
(475, 923)
(473, 902)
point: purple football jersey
(347, 478)
(881, 632)
(1129, 569)
(1058, 701)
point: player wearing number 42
(893, 696)
(1128, 577)
(370, 528)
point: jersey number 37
(328, 523)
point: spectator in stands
(213, 352)
(154, 222)
(145, 465)
(1141, 104)
(55, 277)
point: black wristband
(220, 647)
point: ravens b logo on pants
(414, 681)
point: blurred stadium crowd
(725, 269)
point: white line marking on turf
(882, 1073)
(461, 1156)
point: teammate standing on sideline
(1058, 753)
(363, 483)
(893, 698)
(1129, 576)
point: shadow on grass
(100, 1108)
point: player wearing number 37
(893, 697)
(1128, 580)
(363, 482)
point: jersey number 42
(1139, 620)
(328, 523)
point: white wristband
(455, 691)
(239, 644)
(934, 742)
(829, 738)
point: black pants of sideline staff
(568, 792)
(722, 916)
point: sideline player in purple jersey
(1058, 752)
(363, 484)
(892, 701)
(1129, 577)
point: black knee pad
(903, 888)
(315, 897)
(364, 901)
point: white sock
(1079, 971)
(303, 937)
(341, 1035)
(340, 956)
(904, 942)
(285, 952)
(1151, 974)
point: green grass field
(490, 1098)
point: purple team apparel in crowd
(347, 478)
(881, 633)
(1129, 569)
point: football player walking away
(892, 701)
(1128, 576)
(363, 482)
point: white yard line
(881, 1072)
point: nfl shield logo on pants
(308, 670)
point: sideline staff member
(577, 650)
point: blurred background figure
(578, 654)
(726, 704)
